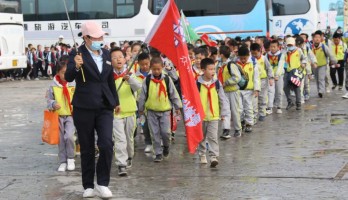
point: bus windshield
(9, 6)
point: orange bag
(50, 129)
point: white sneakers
(62, 167)
(203, 159)
(148, 149)
(279, 111)
(345, 96)
(88, 193)
(103, 192)
(71, 164)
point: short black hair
(318, 32)
(267, 44)
(60, 65)
(154, 52)
(143, 56)
(305, 34)
(135, 44)
(274, 42)
(243, 51)
(255, 47)
(299, 40)
(207, 61)
(213, 51)
(232, 42)
(117, 49)
(112, 44)
(337, 35)
(190, 46)
(202, 51)
(156, 60)
(64, 58)
(225, 51)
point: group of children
(239, 84)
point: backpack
(244, 78)
(147, 82)
(322, 47)
(217, 85)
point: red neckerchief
(315, 49)
(209, 96)
(116, 76)
(336, 50)
(241, 64)
(220, 73)
(273, 59)
(65, 91)
(162, 88)
(142, 76)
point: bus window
(28, 10)
(293, 7)
(207, 7)
(92, 9)
(54, 10)
(127, 8)
(9, 6)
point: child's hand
(117, 110)
(256, 94)
(276, 78)
(271, 82)
(222, 118)
(126, 77)
(56, 107)
(177, 112)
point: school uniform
(265, 74)
(229, 75)
(125, 121)
(322, 55)
(62, 94)
(94, 101)
(215, 105)
(311, 59)
(338, 51)
(157, 99)
(251, 70)
(275, 91)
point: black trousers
(86, 123)
(38, 67)
(340, 72)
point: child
(266, 76)
(275, 90)
(59, 96)
(157, 96)
(338, 48)
(293, 59)
(215, 105)
(135, 48)
(125, 121)
(251, 70)
(224, 53)
(323, 54)
(144, 71)
(200, 54)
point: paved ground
(296, 155)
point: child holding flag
(216, 107)
(157, 96)
(59, 96)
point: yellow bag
(50, 129)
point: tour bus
(12, 50)
(132, 19)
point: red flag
(167, 35)
(208, 41)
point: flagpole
(186, 30)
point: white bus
(12, 50)
(45, 20)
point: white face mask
(291, 48)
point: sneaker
(320, 95)
(158, 158)
(203, 159)
(340, 88)
(248, 128)
(122, 171)
(36, 79)
(345, 96)
(103, 191)
(306, 97)
(328, 90)
(290, 105)
(226, 134)
(62, 167)
(334, 87)
(165, 152)
(71, 164)
(269, 111)
(279, 111)
(262, 118)
(129, 163)
(148, 149)
(237, 133)
(88, 193)
(213, 162)
(298, 106)
(302, 101)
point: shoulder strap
(323, 48)
(229, 67)
(254, 61)
(166, 80)
(217, 86)
(198, 86)
(147, 82)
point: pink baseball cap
(92, 29)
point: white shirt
(98, 59)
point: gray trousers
(234, 98)
(123, 136)
(288, 87)
(346, 67)
(305, 88)
(247, 106)
(66, 138)
(275, 93)
(210, 131)
(320, 76)
(159, 125)
(260, 104)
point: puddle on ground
(333, 119)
